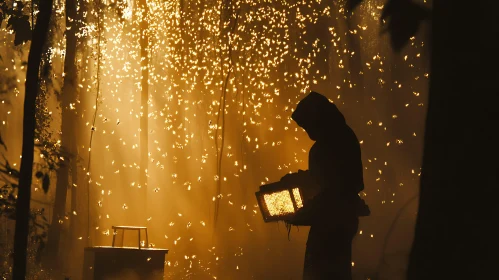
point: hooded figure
(335, 166)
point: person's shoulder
(316, 146)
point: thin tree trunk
(32, 86)
(454, 237)
(144, 96)
(67, 138)
(77, 223)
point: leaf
(403, 18)
(39, 175)
(21, 27)
(11, 171)
(38, 225)
(3, 10)
(2, 143)
(46, 183)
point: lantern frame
(273, 188)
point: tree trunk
(77, 223)
(67, 138)
(144, 96)
(454, 238)
(24, 192)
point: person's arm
(309, 189)
(292, 177)
(313, 209)
(305, 215)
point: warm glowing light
(279, 203)
(265, 58)
(297, 196)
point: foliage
(18, 17)
(49, 83)
(9, 179)
(402, 19)
(43, 116)
(2, 143)
(37, 241)
(9, 182)
(7, 84)
(18, 20)
(37, 220)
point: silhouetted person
(335, 165)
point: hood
(315, 111)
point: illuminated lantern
(281, 200)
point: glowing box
(279, 201)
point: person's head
(317, 115)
